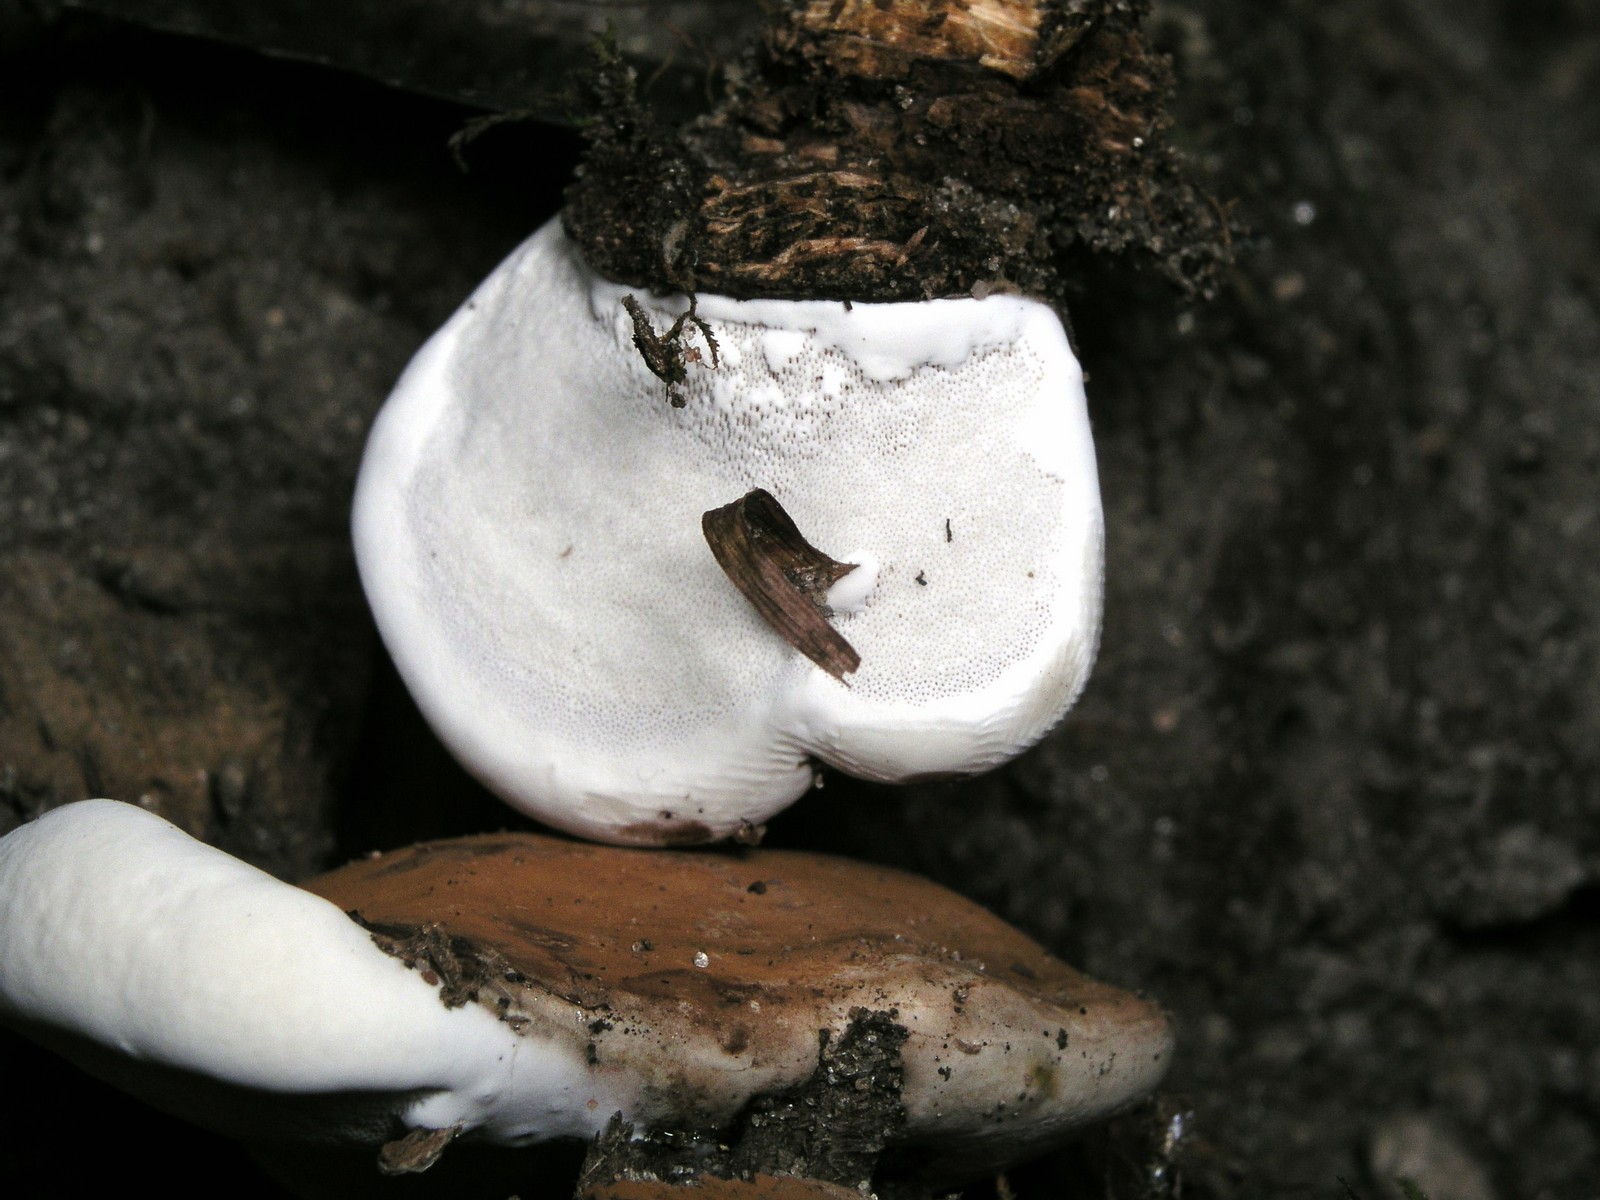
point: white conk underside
(121, 930)
(527, 525)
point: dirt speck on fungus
(833, 1127)
(457, 966)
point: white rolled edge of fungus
(168, 965)
(528, 529)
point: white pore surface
(527, 525)
(118, 927)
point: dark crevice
(1577, 917)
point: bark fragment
(785, 578)
(899, 151)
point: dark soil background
(1333, 792)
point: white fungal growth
(527, 525)
(153, 959)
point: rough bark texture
(902, 150)
(1332, 791)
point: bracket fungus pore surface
(514, 988)
(528, 528)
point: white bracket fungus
(227, 997)
(517, 988)
(528, 528)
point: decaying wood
(900, 150)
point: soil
(830, 1129)
(1333, 792)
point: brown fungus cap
(698, 983)
(900, 150)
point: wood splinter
(416, 1151)
(785, 578)
(668, 355)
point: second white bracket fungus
(528, 528)
(222, 995)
